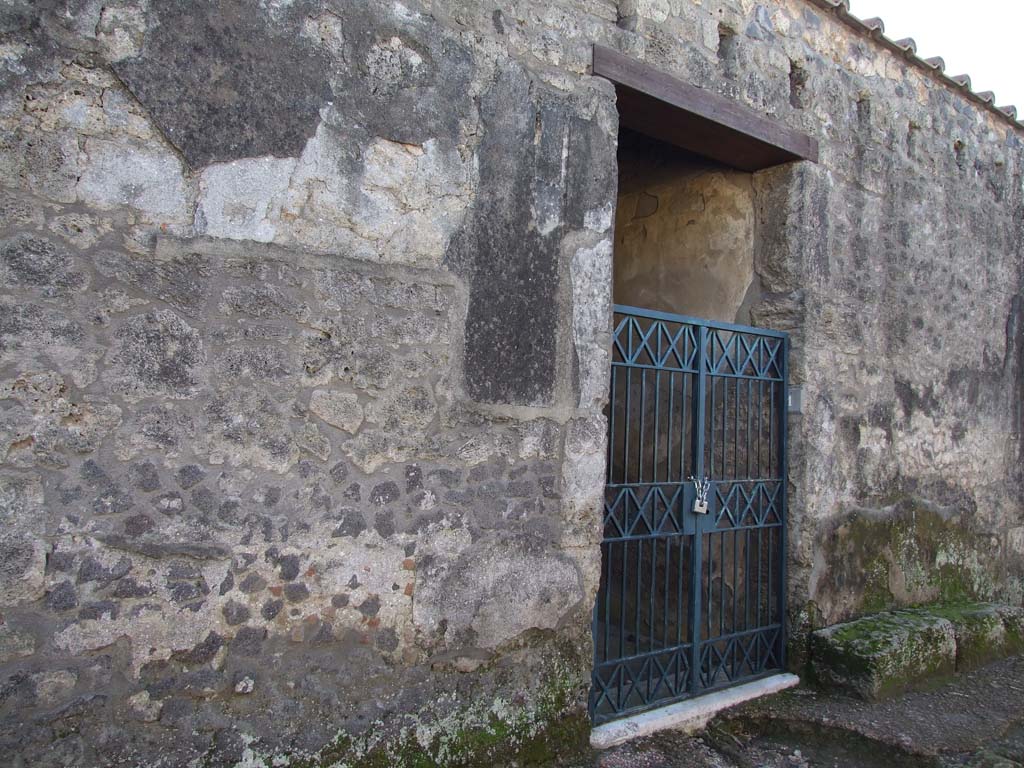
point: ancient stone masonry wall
(302, 323)
(304, 346)
(895, 262)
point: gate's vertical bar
(638, 593)
(669, 433)
(783, 501)
(696, 550)
(750, 415)
(627, 418)
(640, 477)
(622, 599)
(611, 430)
(657, 425)
(724, 472)
(664, 613)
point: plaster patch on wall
(474, 593)
(591, 271)
(241, 200)
(385, 201)
(144, 177)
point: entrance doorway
(693, 581)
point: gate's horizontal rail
(641, 656)
(687, 320)
(670, 369)
(679, 534)
(761, 628)
(664, 483)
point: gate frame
(695, 692)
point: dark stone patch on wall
(591, 171)
(242, 71)
(511, 264)
(1014, 365)
(405, 79)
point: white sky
(981, 38)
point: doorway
(692, 591)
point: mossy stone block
(980, 632)
(883, 655)
(1013, 623)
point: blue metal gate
(690, 601)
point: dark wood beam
(659, 105)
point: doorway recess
(692, 594)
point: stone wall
(301, 384)
(304, 344)
(895, 264)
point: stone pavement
(976, 720)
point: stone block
(980, 630)
(883, 655)
(146, 178)
(887, 653)
(1013, 623)
(15, 644)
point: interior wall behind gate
(684, 233)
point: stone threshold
(690, 715)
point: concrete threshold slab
(690, 715)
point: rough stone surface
(984, 632)
(304, 355)
(883, 655)
(339, 409)
(242, 199)
(15, 644)
(121, 174)
(242, 72)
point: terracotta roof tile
(875, 24)
(907, 44)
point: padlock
(700, 502)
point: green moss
(981, 634)
(876, 595)
(802, 622)
(566, 736)
(550, 721)
(888, 653)
(1013, 622)
(904, 553)
(879, 656)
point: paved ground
(976, 720)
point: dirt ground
(975, 720)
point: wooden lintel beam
(660, 105)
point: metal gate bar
(690, 602)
